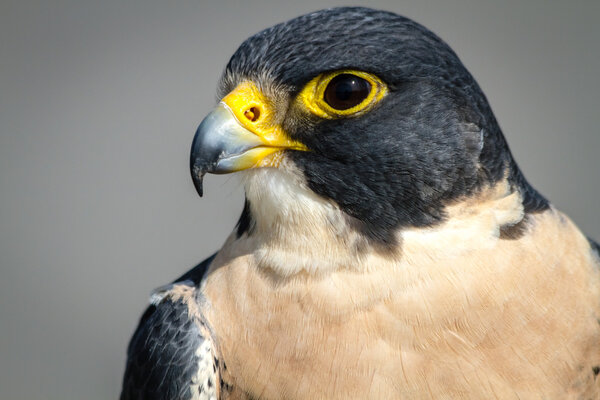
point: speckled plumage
(403, 256)
(172, 354)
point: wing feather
(172, 355)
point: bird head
(364, 112)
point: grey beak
(219, 145)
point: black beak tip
(197, 177)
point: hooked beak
(237, 135)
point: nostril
(252, 114)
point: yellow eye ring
(313, 96)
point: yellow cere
(254, 111)
(312, 96)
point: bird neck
(291, 230)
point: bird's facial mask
(240, 133)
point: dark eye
(346, 91)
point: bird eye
(346, 91)
(342, 93)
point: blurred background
(99, 101)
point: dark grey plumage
(432, 140)
(163, 357)
(595, 246)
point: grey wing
(172, 355)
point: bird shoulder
(173, 354)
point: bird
(389, 246)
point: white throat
(294, 230)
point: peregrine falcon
(389, 246)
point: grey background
(98, 105)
